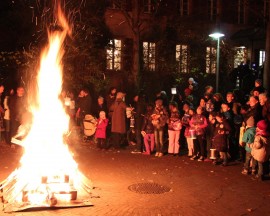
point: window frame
(149, 55)
(114, 55)
(211, 60)
(182, 58)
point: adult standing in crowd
(84, 106)
(2, 111)
(7, 115)
(100, 105)
(18, 108)
(110, 98)
(265, 103)
(139, 111)
(255, 109)
(118, 115)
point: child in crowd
(100, 134)
(233, 144)
(199, 123)
(148, 130)
(261, 149)
(185, 123)
(159, 119)
(220, 142)
(247, 142)
(227, 112)
(174, 127)
(209, 132)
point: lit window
(240, 56)
(184, 11)
(182, 58)
(212, 9)
(149, 53)
(148, 6)
(261, 57)
(211, 59)
(242, 8)
(114, 55)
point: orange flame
(46, 153)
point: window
(212, 9)
(149, 53)
(240, 56)
(242, 7)
(211, 59)
(184, 10)
(182, 58)
(266, 9)
(114, 55)
(148, 6)
(261, 57)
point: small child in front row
(148, 130)
(100, 134)
(247, 142)
(220, 143)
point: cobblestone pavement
(193, 188)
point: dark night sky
(15, 24)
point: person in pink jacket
(100, 134)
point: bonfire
(48, 176)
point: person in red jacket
(100, 134)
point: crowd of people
(207, 127)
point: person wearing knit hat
(262, 127)
(261, 149)
(247, 140)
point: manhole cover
(149, 188)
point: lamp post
(217, 36)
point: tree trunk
(266, 70)
(136, 67)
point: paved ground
(194, 188)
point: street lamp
(217, 36)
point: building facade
(165, 41)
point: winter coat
(266, 110)
(101, 128)
(118, 114)
(199, 122)
(140, 108)
(148, 127)
(255, 112)
(185, 122)
(248, 138)
(162, 116)
(221, 133)
(85, 105)
(261, 148)
(175, 121)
